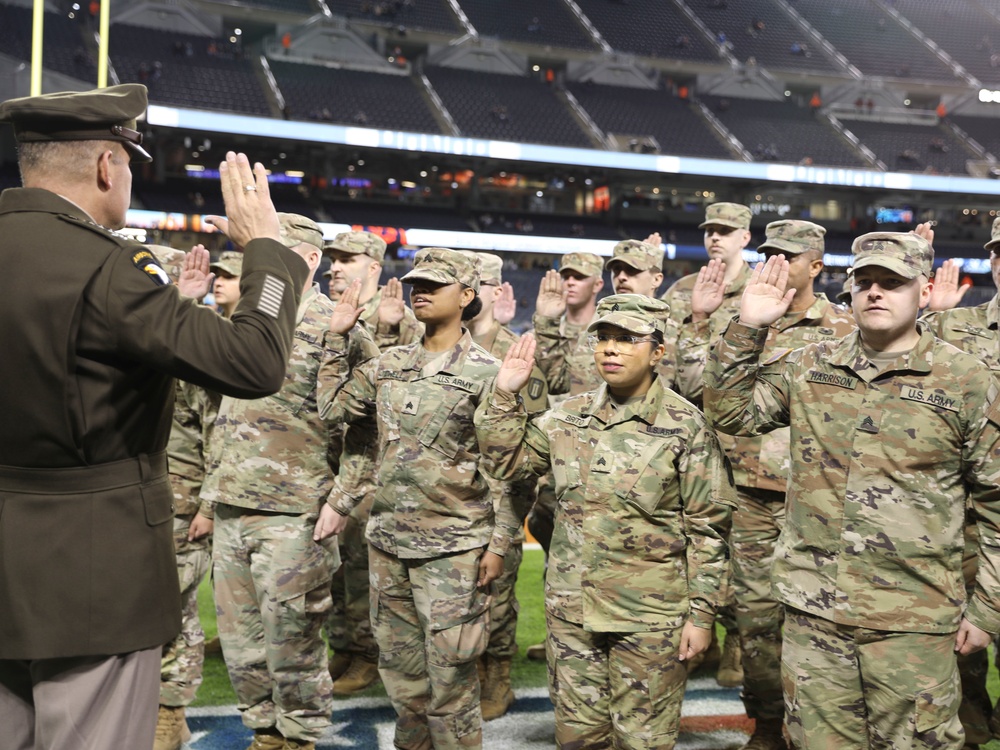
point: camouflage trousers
(272, 595)
(432, 625)
(349, 627)
(614, 690)
(184, 657)
(757, 522)
(854, 688)
(503, 612)
(977, 705)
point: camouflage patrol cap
(904, 253)
(490, 269)
(230, 262)
(844, 296)
(296, 229)
(734, 215)
(994, 235)
(172, 260)
(444, 266)
(793, 236)
(587, 264)
(636, 313)
(358, 243)
(107, 114)
(638, 254)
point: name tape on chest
(831, 378)
(145, 262)
(457, 382)
(652, 429)
(931, 398)
(574, 420)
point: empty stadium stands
(654, 28)
(910, 148)
(550, 24)
(187, 70)
(760, 30)
(352, 97)
(872, 40)
(429, 15)
(505, 107)
(65, 49)
(795, 131)
(640, 112)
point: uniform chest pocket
(448, 428)
(645, 479)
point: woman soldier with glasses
(639, 553)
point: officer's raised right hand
(517, 365)
(765, 299)
(250, 214)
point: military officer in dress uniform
(94, 335)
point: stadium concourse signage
(316, 132)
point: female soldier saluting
(435, 543)
(639, 551)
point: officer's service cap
(358, 243)
(108, 114)
(587, 264)
(640, 255)
(444, 266)
(636, 313)
(904, 253)
(734, 215)
(792, 236)
(296, 229)
(230, 262)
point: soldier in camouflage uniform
(270, 474)
(226, 289)
(760, 467)
(891, 430)
(566, 305)
(494, 666)
(639, 554)
(976, 331)
(195, 410)
(436, 542)
(354, 665)
(359, 255)
(702, 304)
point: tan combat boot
(171, 728)
(536, 652)
(213, 646)
(767, 736)
(498, 696)
(267, 739)
(338, 665)
(299, 745)
(362, 674)
(730, 672)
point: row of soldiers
(284, 690)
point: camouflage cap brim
(638, 261)
(783, 246)
(627, 322)
(896, 265)
(429, 274)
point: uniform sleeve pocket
(157, 501)
(939, 704)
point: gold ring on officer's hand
(250, 188)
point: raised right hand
(765, 299)
(250, 213)
(945, 291)
(348, 309)
(517, 365)
(551, 302)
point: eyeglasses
(624, 343)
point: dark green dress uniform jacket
(92, 337)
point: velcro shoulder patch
(145, 262)
(271, 295)
(831, 378)
(931, 398)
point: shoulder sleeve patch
(145, 262)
